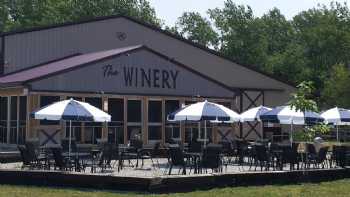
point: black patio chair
(108, 152)
(243, 151)
(290, 156)
(195, 146)
(61, 162)
(211, 158)
(320, 157)
(133, 152)
(26, 160)
(261, 157)
(38, 160)
(150, 154)
(338, 157)
(311, 154)
(176, 158)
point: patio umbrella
(204, 111)
(253, 114)
(289, 115)
(71, 110)
(337, 116)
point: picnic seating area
(176, 158)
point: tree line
(312, 46)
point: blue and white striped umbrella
(254, 114)
(71, 110)
(289, 115)
(204, 111)
(337, 116)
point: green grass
(334, 188)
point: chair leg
(170, 168)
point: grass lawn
(334, 188)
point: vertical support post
(17, 120)
(144, 120)
(29, 109)
(82, 126)
(125, 123)
(163, 121)
(8, 121)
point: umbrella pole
(291, 134)
(205, 133)
(199, 131)
(337, 134)
(70, 138)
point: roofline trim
(41, 64)
(155, 28)
(140, 47)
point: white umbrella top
(253, 114)
(204, 111)
(71, 110)
(337, 116)
(289, 115)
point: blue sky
(170, 10)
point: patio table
(78, 158)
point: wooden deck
(150, 179)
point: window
(154, 120)
(134, 119)
(134, 111)
(172, 129)
(116, 126)
(3, 119)
(93, 130)
(47, 100)
(76, 126)
(13, 120)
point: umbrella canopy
(204, 111)
(337, 116)
(71, 110)
(253, 114)
(289, 115)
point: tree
(27, 14)
(336, 90)
(197, 29)
(278, 31)
(241, 34)
(325, 33)
(303, 98)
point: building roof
(158, 29)
(65, 64)
(61, 65)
